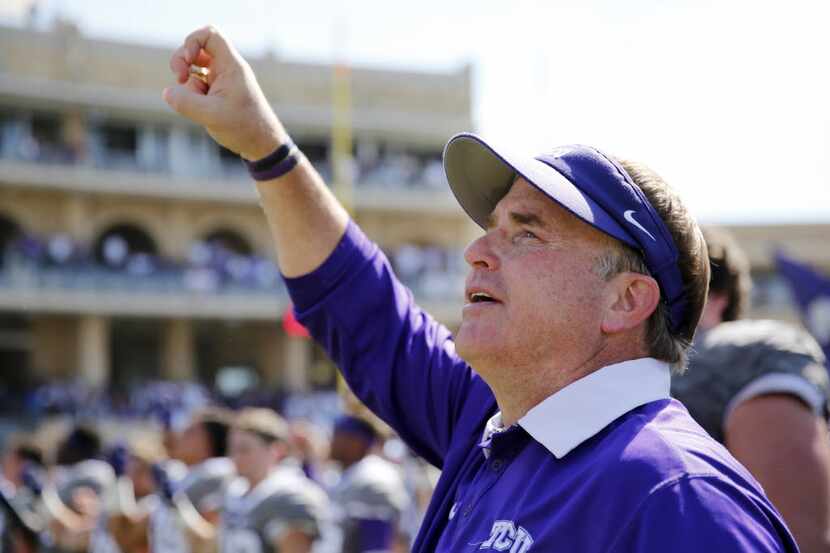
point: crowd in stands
(126, 147)
(210, 266)
(101, 484)
(164, 400)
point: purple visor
(584, 181)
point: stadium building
(133, 247)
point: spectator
(370, 496)
(760, 387)
(193, 503)
(274, 505)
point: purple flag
(811, 290)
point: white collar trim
(581, 409)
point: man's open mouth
(479, 297)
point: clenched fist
(230, 105)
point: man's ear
(633, 297)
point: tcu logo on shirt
(506, 536)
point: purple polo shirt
(601, 466)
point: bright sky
(728, 100)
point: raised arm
(397, 359)
(234, 111)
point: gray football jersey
(742, 359)
(205, 486)
(372, 489)
(99, 477)
(93, 474)
(166, 534)
(253, 520)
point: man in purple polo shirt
(549, 413)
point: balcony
(124, 180)
(178, 293)
(150, 162)
(102, 292)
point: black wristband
(274, 165)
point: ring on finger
(200, 73)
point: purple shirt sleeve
(695, 514)
(397, 359)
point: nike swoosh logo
(629, 216)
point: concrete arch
(152, 224)
(230, 239)
(19, 216)
(251, 229)
(9, 221)
(133, 239)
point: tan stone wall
(177, 356)
(34, 211)
(248, 222)
(271, 353)
(55, 352)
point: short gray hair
(659, 340)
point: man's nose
(480, 253)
